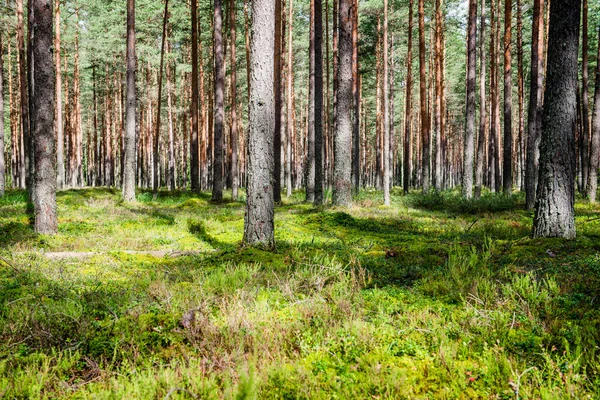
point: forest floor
(433, 297)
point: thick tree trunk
(342, 184)
(469, 149)
(408, 105)
(482, 106)
(129, 164)
(595, 142)
(194, 151)
(534, 118)
(310, 137)
(355, 104)
(277, 92)
(219, 116)
(507, 175)
(259, 218)
(318, 101)
(43, 119)
(290, 103)
(60, 152)
(425, 137)
(439, 85)
(585, 119)
(554, 211)
(521, 94)
(386, 110)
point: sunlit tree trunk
(156, 155)
(425, 137)
(219, 108)
(386, 110)
(467, 184)
(408, 105)
(234, 118)
(355, 103)
(310, 154)
(595, 140)
(129, 164)
(507, 175)
(25, 138)
(318, 103)
(482, 106)
(585, 119)
(194, 147)
(277, 92)
(290, 103)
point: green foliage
(434, 297)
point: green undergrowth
(433, 297)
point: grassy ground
(434, 297)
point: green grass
(433, 297)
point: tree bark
(277, 92)
(60, 153)
(507, 175)
(129, 164)
(259, 218)
(439, 93)
(156, 155)
(234, 119)
(290, 104)
(2, 161)
(386, 110)
(219, 116)
(585, 119)
(408, 105)
(318, 102)
(356, 103)
(25, 139)
(595, 142)
(310, 137)
(469, 149)
(425, 137)
(554, 211)
(43, 118)
(482, 106)
(342, 187)
(194, 148)
(534, 118)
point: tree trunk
(408, 105)
(290, 104)
(277, 92)
(194, 151)
(482, 106)
(234, 118)
(554, 211)
(425, 156)
(318, 101)
(43, 119)
(355, 103)
(26, 137)
(534, 118)
(438, 94)
(156, 155)
(595, 142)
(310, 156)
(171, 162)
(521, 94)
(386, 110)
(585, 138)
(467, 184)
(219, 116)
(259, 219)
(2, 161)
(342, 184)
(60, 153)
(129, 164)
(508, 137)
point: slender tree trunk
(171, 162)
(439, 61)
(425, 165)
(585, 138)
(234, 118)
(25, 139)
(318, 101)
(507, 175)
(355, 104)
(156, 155)
(408, 105)
(554, 211)
(78, 181)
(467, 184)
(129, 164)
(534, 118)
(595, 142)
(219, 117)
(310, 161)
(60, 153)
(194, 151)
(43, 118)
(342, 187)
(259, 219)
(386, 110)
(521, 94)
(290, 96)
(277, 92)
(482, 106)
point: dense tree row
(147, 94)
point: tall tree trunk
(194, 151)
(25, 139)
(2, 161)
(342, 187)
(156, 155)
(482, 106)
(129, 164)
(554, 211)
(277, 92)
(234, 118)
(467, 184)
(290, 97)
(425, 156)
(318, 65)
(355, 103)
(43, 118)
(534, 118)
(171, 162)
(507, 175)
(78, 181)
(497, 147)
(386, 110)
(60, 153)
(521, 95)
(219, 116)
(439, 93)
(585, 119)
(259, 219)
(310, 158)
(408, 105)
(595, 142)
